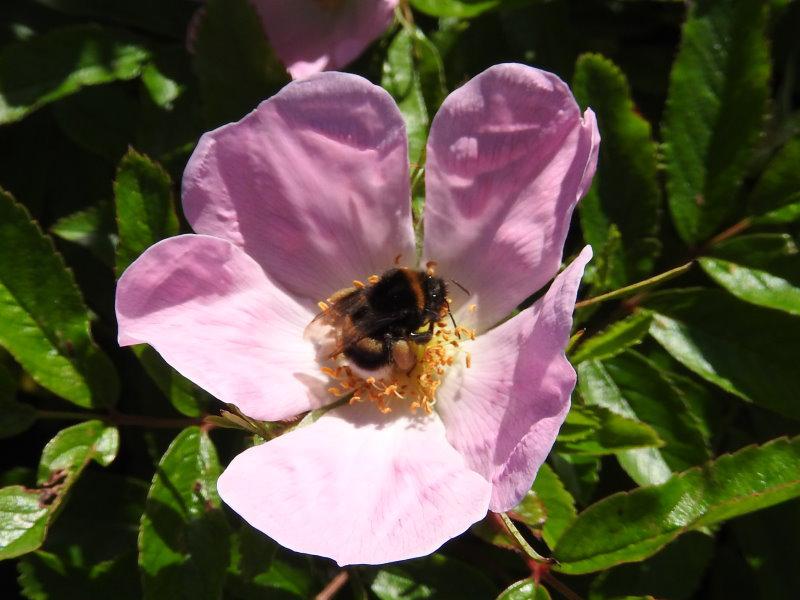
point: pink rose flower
(311, 191)
(310, 36)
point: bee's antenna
(463, 289)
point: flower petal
(509, 156)
(210, 311)
(358, 486)
(503, 414)
(316, 35)
(313, 184)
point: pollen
(373, 279)
(322, 305)
(415, 389)
(358, 284)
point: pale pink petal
(503, 413)
(358, 486)
(509, 156)
(310, 36)
(210, 311)
(313, 184)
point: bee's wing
(333, 330)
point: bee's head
(435, 296)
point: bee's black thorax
(391, 310)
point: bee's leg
(403, 355)
(423, 337)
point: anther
(430, 267)
(358, 284)
(322, 306)
(373, 279)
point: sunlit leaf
(559, 505)
(60, 62)
(631, 526)
(746, 350)
(43, 321)
(614, 339)
(93, 228)
(625, 191)
(596, 430)
(762, 269)
(413, 75)
(715, 110)
(527, 589)
(184, 541)
(145, 208)
(27, 513)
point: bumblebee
(374, 325)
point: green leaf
(162, 88)
(614, 339)
(596, 431)
(15, 417)
(186, 397)
(527, 589)
(580, 474)
(92, 228)
(43, 321)
(776, 196)
(644, 465)
(657, 402)
(559, 505)
(26, 514)
(236, 67)
(60, 62)
(689, 555)
(261, 569)
(631, 526)
(744, 349)
(762, 269)
(184, 540)
(625, 192)
(436, 576)
(145, 208)
(715, 111)
(100, 119)
(412, 67)
(463, 9)
(401, 80)
(47, 576)
(90, 550)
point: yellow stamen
(358, 284)
(373, 279)
(322, 306)
(417, 387)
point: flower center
(416, 387)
